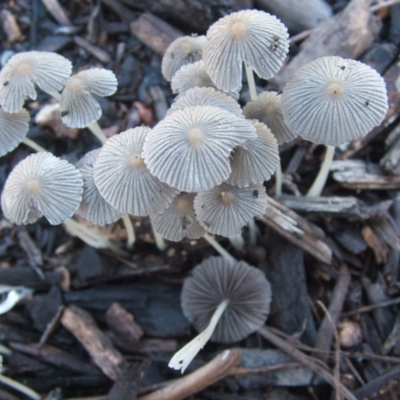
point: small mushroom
(93, 207)
(13, 129)
(225, 301)
(178, 220)
(182, 51)
(42, 184)
(78, 107)
(333, 100)
(48, 71)
(225, 209)
(190, 149)
(250, 36)
(267, 108)
(255, 160)
(123, 179)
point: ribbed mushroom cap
(255, 37)
(77, 105)
(178, 220)
(267, 108)
(42, 184)
(225, 209)
(124, 180)
(184, 50)
(256, 159)
(48, 71)
(190, 148)
(93, 206)
(195, 75)
(206, 96)
(215, 280)
(332, 100)
(13, 128)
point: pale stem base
(319, 183)
(33, 145)
(160, 242)
(130, 231)
(98, 132)
(237, 242)
(278, 180)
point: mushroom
(42, 184)
(123, 179)
(178, 220)
(225, 209)
(225, 301)
(255, 160)
(190, 149)
(93, 207)
(48, 71)
(195, 75)
(13, 129)
(78, 107)
(251, 36)
(182, 51)
(267, 108)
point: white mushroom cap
(190, 148)
(42, 184)
(245, 287)
(178, 220)
(255, 37)
(48, 71)
(267, 108)
(256, 159)
(78, 106)
(13, 128)
(93, 206)
(206, 96)
(123, 179)
(181, 51)
(225, 209)
(195, 75)
(332, 100)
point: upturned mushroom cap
(332, 100)
(215, 280)
(77, 105)
(178, 220)
(42, 184)
(267, 108)
(195, 75)
(190, 149)
(256, 159)
(13, 128)
(255, 37)
(181, 51)
(93, 206)
(225, 209)
(206, 96)
(48, 71)
(123, 179)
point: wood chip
(10, 26)
(58, 13)
(101, 55)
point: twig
(264, 369)
(20, 387)
(371, 307)
(51, 326)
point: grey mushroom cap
(13, 129)
(333, 100)
(124, 180)
(190, 149)
(24, 71)
(250, 36)
(267, 108)
(93, 206)
(182, 51)
(225, 209)
(78, 107)
(42, 184)
(215, 280)
(178, 220)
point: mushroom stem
(237, 242)
(218, 248)
(98, 132)
(130, 231)
(160, 242)
(33, 145)
(320, 180)
(19, 387)
(251, 82)
(253, 232)
(185, 355)
(278, 180)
